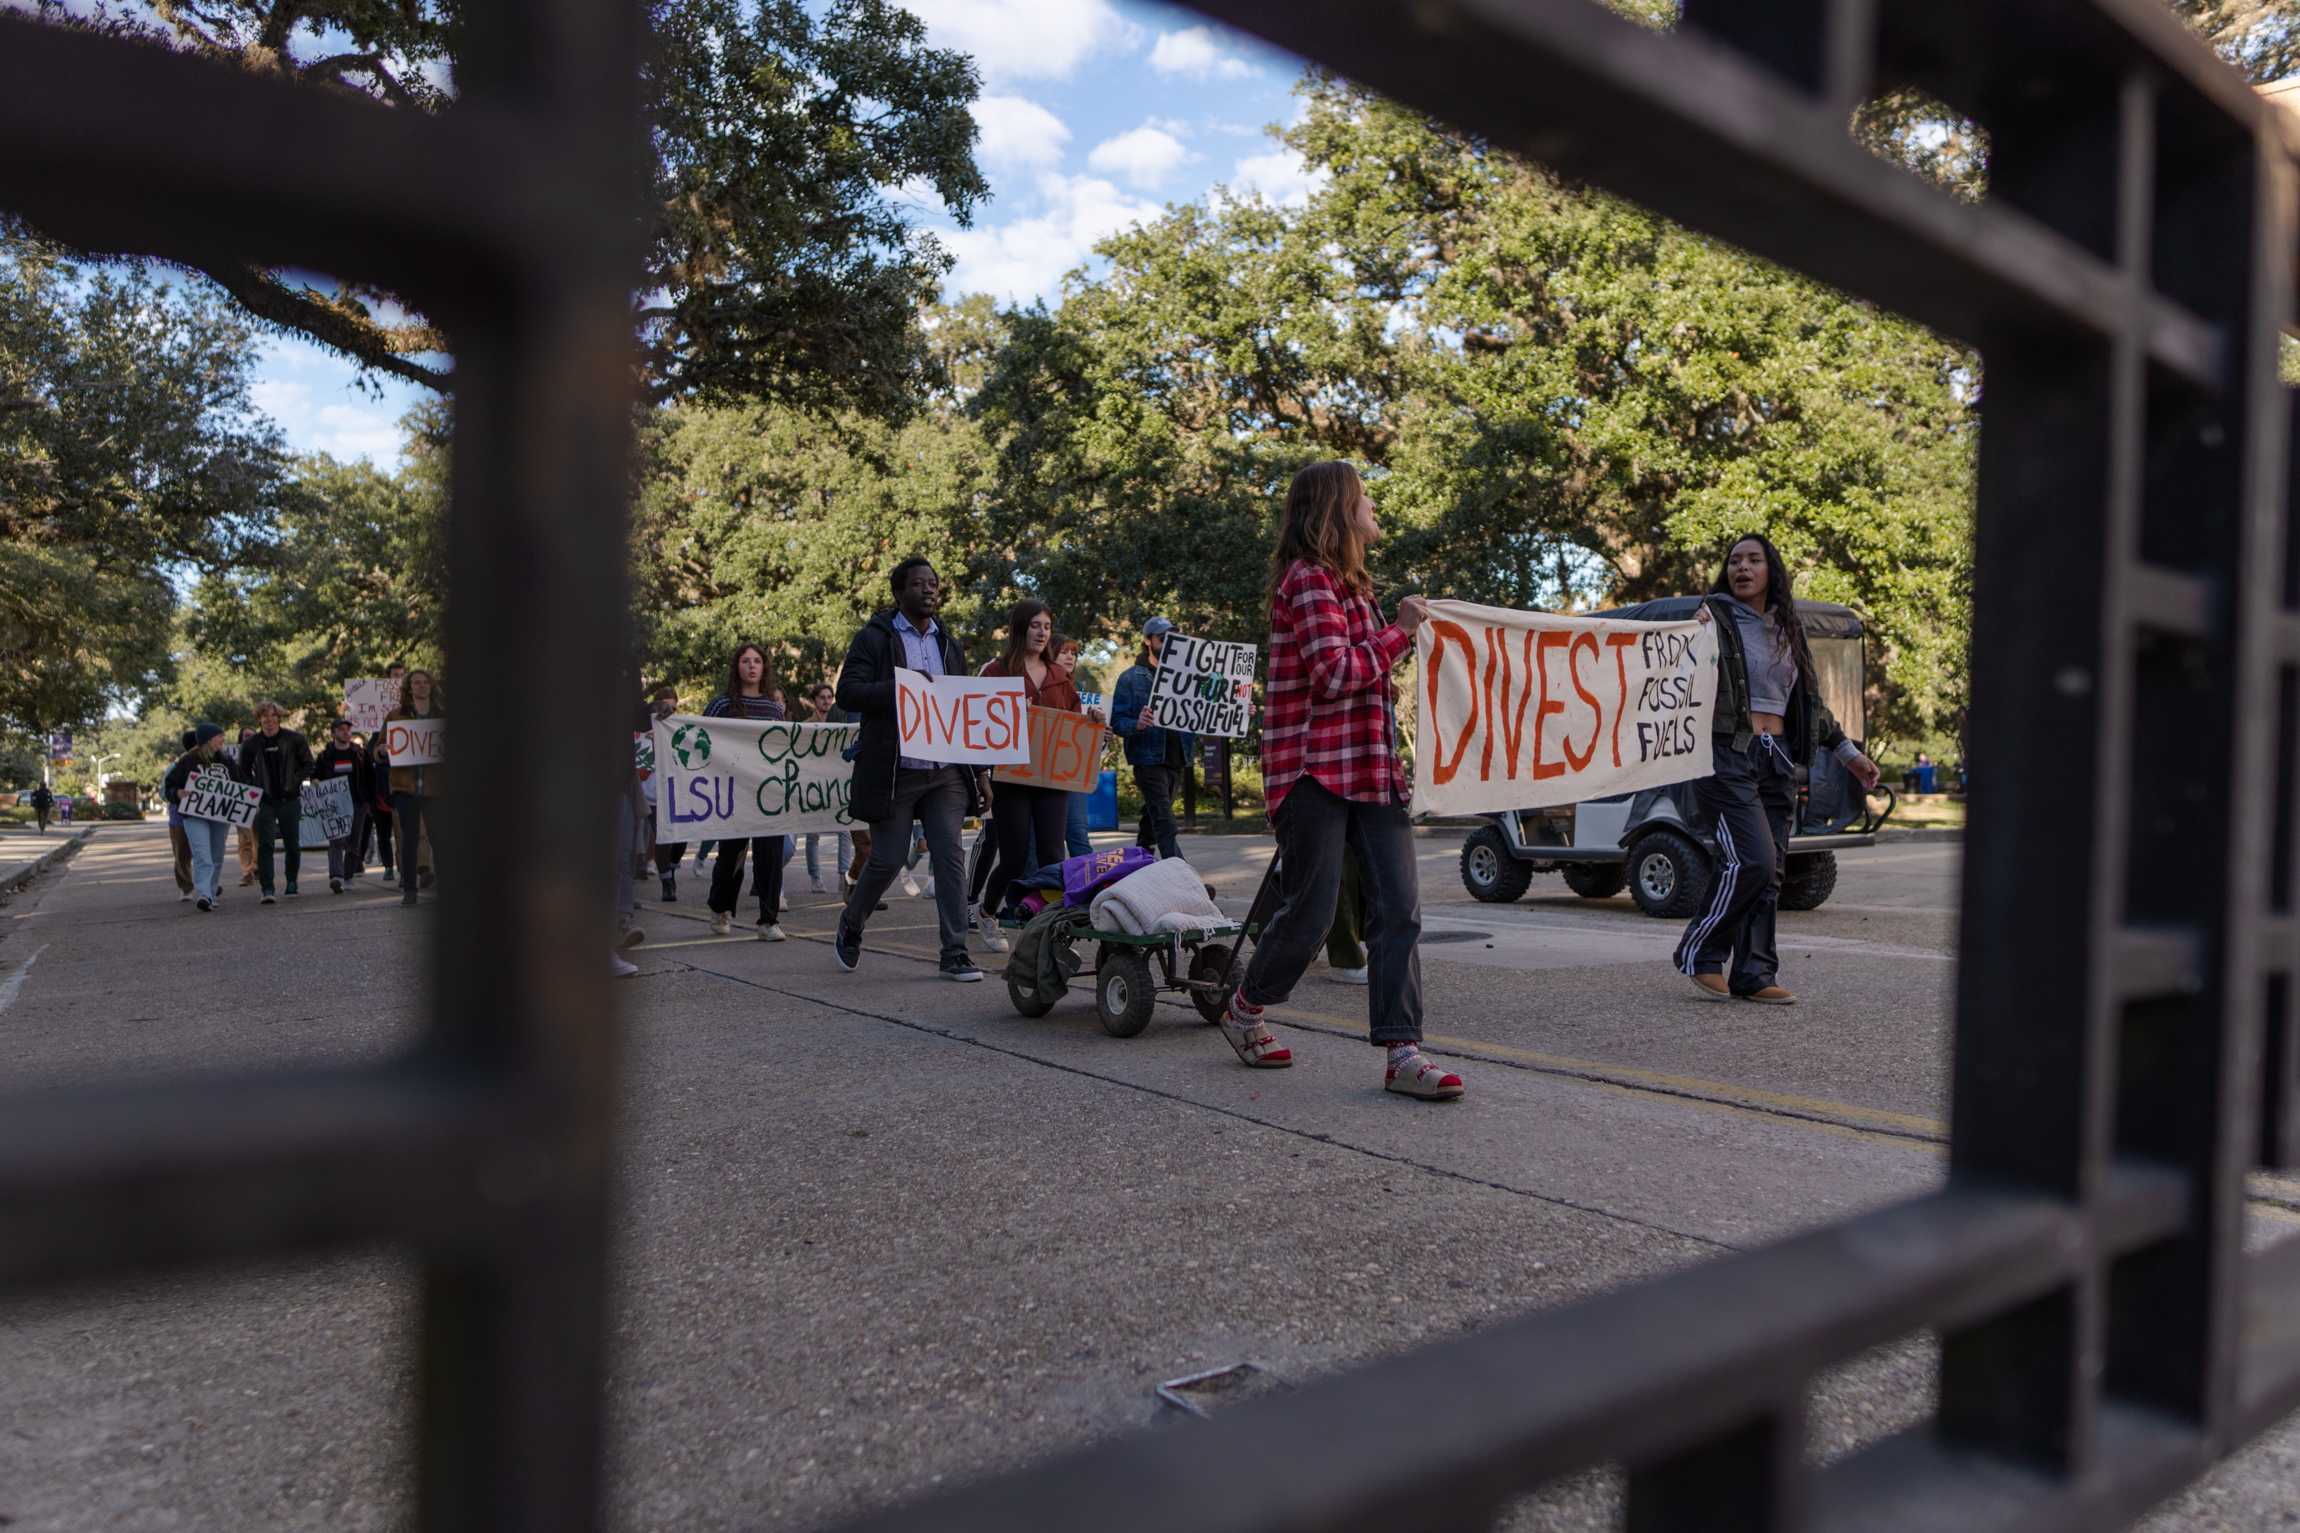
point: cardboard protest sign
(973, 720)
(414, 742)
(1203, 687)
(326, 811)
(1523, 709)
(1065, 753)
(214, 794)
(722, 779)
(367, 700)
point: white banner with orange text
(1518, 710)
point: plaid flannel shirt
(1330, 712)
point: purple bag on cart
(1085, 877)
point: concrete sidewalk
(880, 1232)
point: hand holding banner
(971, 720)
(1065, 753)
(367, 699)
(1523, 709)
(1203, 687)
(326, 811)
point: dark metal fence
(2125, 1043)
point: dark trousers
(1158, 785)
(1314, 828)
(282, 817)
(181, 845)
(379, 825)
(766, 876)
(667, 853)
(410, 810)
(1026, 819)
(345, 858)
(1346, 938)
(1746, 803)
(937, 800)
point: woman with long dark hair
(1333, 781)
(414, 787)
(1023, 816)
(748, 693)
(1770, 722)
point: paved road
(881, 1232)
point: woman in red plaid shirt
(1331, 774)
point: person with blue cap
(1159, 757)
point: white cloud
(1026, 39)
(1025, 258)
(309, 393)
(1280, 177)
(1196, 52)
(1144, 157)
(1018, 131)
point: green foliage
(778, 266)
(130, 455)
(1563, 401)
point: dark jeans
(1346, 938)
(1746, 802)
(766, 876)
(1314, 827)
(1026, 819)
(344, 857)
(667, 853)
(283, 817)
(411, 810)
(379, 825)
(1159, 785)
(936, 799)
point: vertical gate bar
(510, 1427)
(1751, 1480)
(2060, 488)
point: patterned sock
(1242, 1009)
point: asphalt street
(880, 1232)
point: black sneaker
(335, 886)
(267, 899)
(407, 897)
(670, 893)
(291, 889)
(846, 946)
(961, 970)
(206, 904)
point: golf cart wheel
(1211, 965)
(1489, 870)
(1124, 993)
(1668, 874)
(1808, 880)
(1596, 880)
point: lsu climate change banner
(723, 778)
(1521, 709)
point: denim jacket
(1144, 747)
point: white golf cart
(1649, 841)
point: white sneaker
(723, 924)
(619, 967)
(182, 897)
(909, 884)
(992, 937)
(1350, 976)
(772, 932)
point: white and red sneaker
(1415, 1074)
(1257, 1047)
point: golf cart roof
(1823, 619)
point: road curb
(15, 876)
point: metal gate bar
(512, 220)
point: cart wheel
(1124, 993)
(1490, 871)
(1022, 990)
(1212, 965)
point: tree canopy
(779, 265)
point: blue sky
(1094, 115)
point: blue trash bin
(1102, 803)
(1924, 776)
